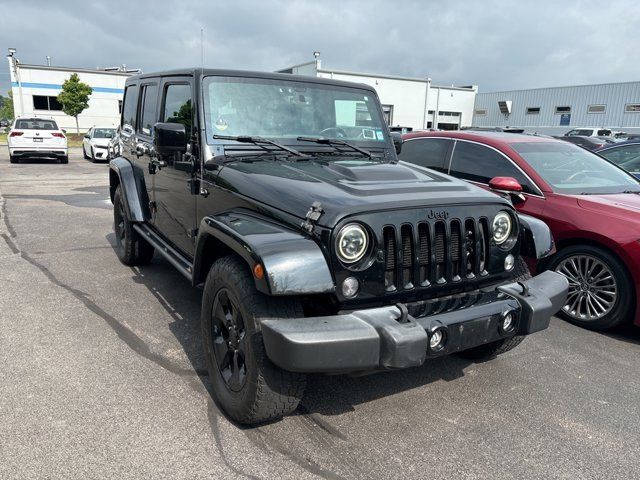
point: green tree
(74, 97)
(6, 107)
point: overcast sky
(497, 45)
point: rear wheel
(131, 248)
(13, 159)
(490, 350)
(248, 386)
(600, 293)
(64, 159)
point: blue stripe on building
(53, 86)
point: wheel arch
(121, 174)
(292, 263)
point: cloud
(497, 45)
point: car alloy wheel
(229, 336)
(593, 289)
(120, 229)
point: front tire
(600, 293)
(84, 153)
(131, 248)
(248, 386)
(490, 350)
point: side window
(129, 108)
(178, 105)
(426, 152)
(148, 109)
(480, 164)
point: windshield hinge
(312, 216)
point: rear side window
(178, 105)
(148, 109)
(426, 152)
(129, 107)
(479, 163)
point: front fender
(537, 239)
(121, 173)
(293, 263)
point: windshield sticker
(368, 134)
(380, 135)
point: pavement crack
(3, 213)
(133, 341)
(10, 243)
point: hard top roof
(251, 74)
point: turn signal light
(258, 271)
(16, 134)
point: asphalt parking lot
(101, 376)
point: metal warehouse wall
(614, 95)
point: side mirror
(507, 186)
(397, 141)
(169, 138)
(86, 136)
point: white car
(96, 142)
(589, 132)
(32, 137)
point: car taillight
(59, 135)
(16, 134)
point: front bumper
(389, 338)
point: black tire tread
(136, 251)
(278, 392)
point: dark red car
(591, 206)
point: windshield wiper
(334, 142)
(259, 141)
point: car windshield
(579, 133)
(284, 110)
(104, 132)
(574, 170)
(35, 124)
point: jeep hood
(347, 187)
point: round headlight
(351, 243)
(501, 227)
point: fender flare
(537, 238)
(121, 169)
(293, 263)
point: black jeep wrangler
(318, 251)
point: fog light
(509, 262)
(350, 287)
(507, 322)
(436, 342)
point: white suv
(37, 137)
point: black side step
(175, 258)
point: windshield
(285, 110)
(36, 124)
(574, 170)
(104, 132)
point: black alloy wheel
(229, 340)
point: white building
(556, 110)
(407, 102)
(35, 89)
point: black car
(317, 251)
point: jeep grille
(436, 252)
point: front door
(174, 203)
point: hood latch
(312, 216)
